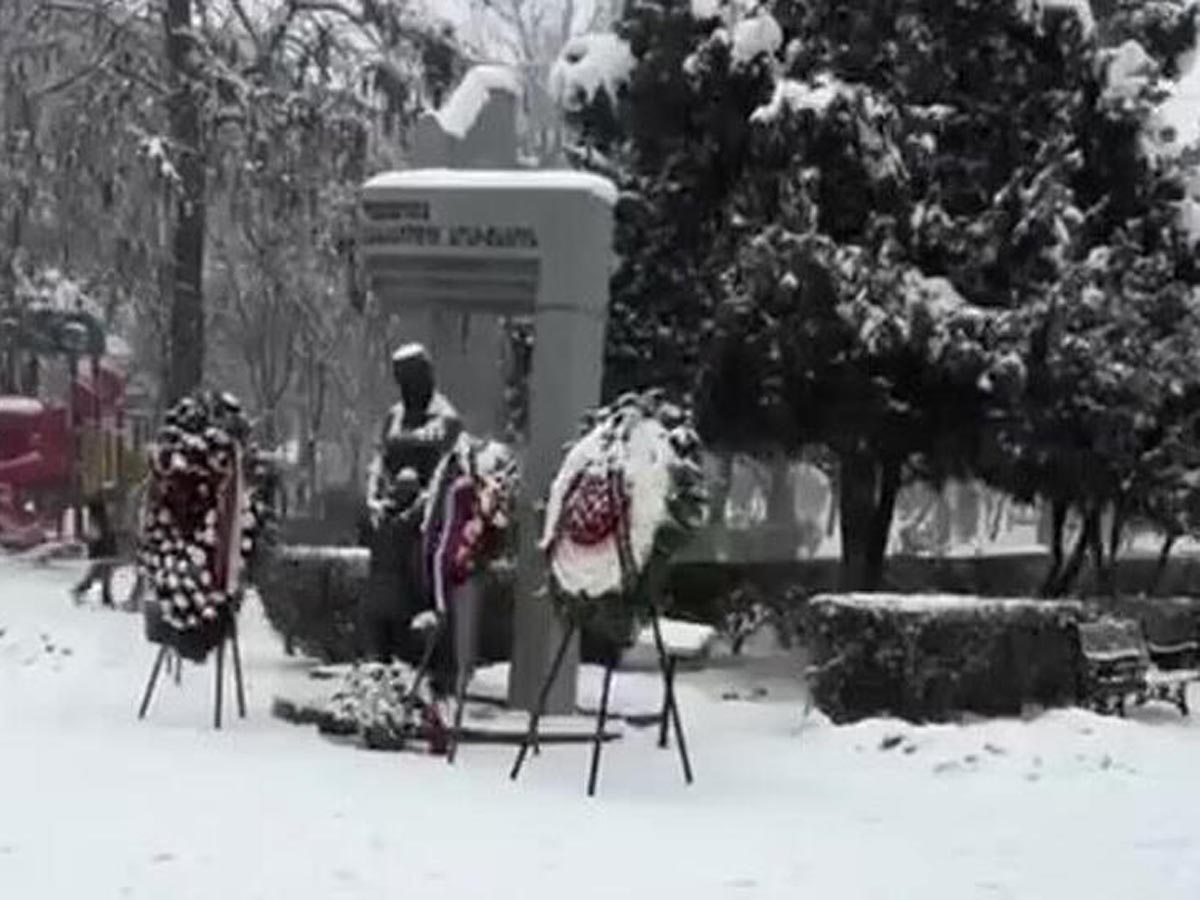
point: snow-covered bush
(747, 610)
(925, 166)
(310, 596)
(933, 657)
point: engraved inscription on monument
(415, 229)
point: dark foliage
(926, 666)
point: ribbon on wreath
(230, 508)
(467, 514)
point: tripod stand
(632, 584)
(670, 721)
(465, 608)
(164, 657)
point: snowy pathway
(96, 805)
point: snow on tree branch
(589, 65)
(792, 96)
(756, 36)
(1035, 12)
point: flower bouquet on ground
(368, 704)
(375, 706)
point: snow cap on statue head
(410, 352)
(406, 483)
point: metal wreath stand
(167, 654)
(631, 585)
(433, 636)
(411, 700)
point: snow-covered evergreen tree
(851, 224)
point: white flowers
(640, 454)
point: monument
(453, 251)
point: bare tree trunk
(868, 502)
(1058, 525)
(881, 522)
(1099, 561)
(999, 504)
(1115, 533)
(781, 500)
(316, 416)
(1160, 568)
(186, 330)
(1089, 537)
(719, 498)
(355, 442)
(835, 491)
(782, 529)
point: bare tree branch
(97, 63)
(333, 7)
(239, 10)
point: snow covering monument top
(460, 242)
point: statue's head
(413, 370)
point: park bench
(1121, 664)
(1175, 663)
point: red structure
(35, 465)
(40, 456)
(35, 445)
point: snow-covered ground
(94, 804)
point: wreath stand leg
(535, 717)
(174, 664)
(239, 686)
(465, 619)
(237, 670)
(433, 635)
(664, 721)
(163, 650)
(669, 703)
(598, 740)
(460, 702)
(219, 686)
(411, 696)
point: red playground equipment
(35, 468)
